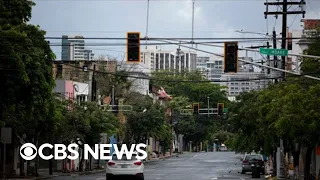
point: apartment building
(157, 59)
(73, 48)
(298, 46)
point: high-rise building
(73, 48)
(88, 55)
(246, 79)
(211, 67)
(202, 63)
(157, 59)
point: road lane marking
(101, 178)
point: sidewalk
(44, 173)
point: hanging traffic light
(220, 107)
(133, 47)
(196, 107)
(230, 57)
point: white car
(124, 167)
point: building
(88, 55)
(81, 71)
(237, 84)
(202, 63)
(212, 67)
(65, 89)
(141, 72)
(297, 47)
(157, 59)
(73, 48)
(215, 69)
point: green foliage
(287, 110)
(15, 12)
(120, 82)
(26, 75)
(27, 101)
(146, 119)
(186, 89)
(86, 122)
(190, 87)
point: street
(190, 166)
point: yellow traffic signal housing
(133, 47)
(231, 57)
(196, 107)
(220, 107)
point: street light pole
(208, 105)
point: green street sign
(274, 52)
(225, 110)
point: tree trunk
(22, 166)
(296, 157)
(98, 160)
(81, 161)
(50, 163)
(90, 163)
(37, 157)
(274, 162)
(51, 160)
(307, 175)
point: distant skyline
(113, 18)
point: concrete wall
(64, 88)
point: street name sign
(274, 52)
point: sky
(167, 19)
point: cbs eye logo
(28, 151)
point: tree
(26, 72)
(146, 120)
(186, 89)
(189, 85)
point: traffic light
(115, 109)
(220, 107)
(230, 57)
(196, 108)
(133, 47)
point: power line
(165, 38)
(168, 80)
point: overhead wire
(162, 38)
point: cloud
(185, 11)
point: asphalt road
(191, 166)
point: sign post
(274, 52)
(6, 138)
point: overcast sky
(168, 18)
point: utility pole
(113, 98)
(275, 58)
(193, 1)
(94, 85)
(268, 58)
(284, 14)
(284, 36)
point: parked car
(124, 167)
(223, 148)
(252, 159)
